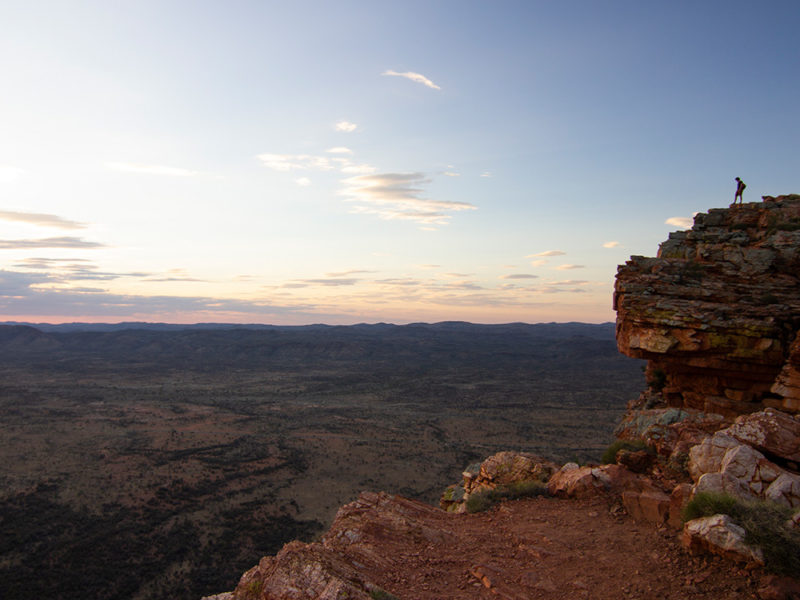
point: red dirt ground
(546, 548)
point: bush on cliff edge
(485, 499)
(764, 522)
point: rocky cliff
(717, 312)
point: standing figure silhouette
(740, 185)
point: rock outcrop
(717, 312)
(499, 470)
(718, 534)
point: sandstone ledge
(717, 312)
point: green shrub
(485, 499)
(479, 502)
(382, 595)
(254, 588)
(610, 454)
(764, 523)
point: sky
(373, 161)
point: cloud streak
(290, 162)
(415, 77)
(41, 219)
(53, 242)
(547, 253)
(399, 196)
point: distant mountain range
(163, 346)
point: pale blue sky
(343, 162)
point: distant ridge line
(160, 326)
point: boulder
(648, 504)
(505, 468)
(707, 456)
(718, 534)
(771, 431)
(723, 464)
(678, 499)
(572, 481)
(636, 461)
(501, 469)
(785, 489)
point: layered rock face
(717, 312)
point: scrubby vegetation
(484, 500)
(382, 595)
(764, 522)
(610, 454)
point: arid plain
(142, 463)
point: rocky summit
(717, 311)
(707, 460)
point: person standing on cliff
(740, 185)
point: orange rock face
(717, 312)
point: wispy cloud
(547, 253)
(399, 196)
(345, 126)
(65, 270)
(146, 169)
(350, 272)
(568, 282)
(611, 245)
(416, 77)
(9, 173)
(174, 275)
(339, 150)
(518, 276)
(42, 219)
(398, 281)
(53, 242)
(569, 267)
(303, 181)
(487, 174)
(289, 162)
(37, 294)
(328, 282)
(173, 279)
(683, 222)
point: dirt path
(547, 548)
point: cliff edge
(717, 312)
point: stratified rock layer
(718, 310)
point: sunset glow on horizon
(312, 162)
